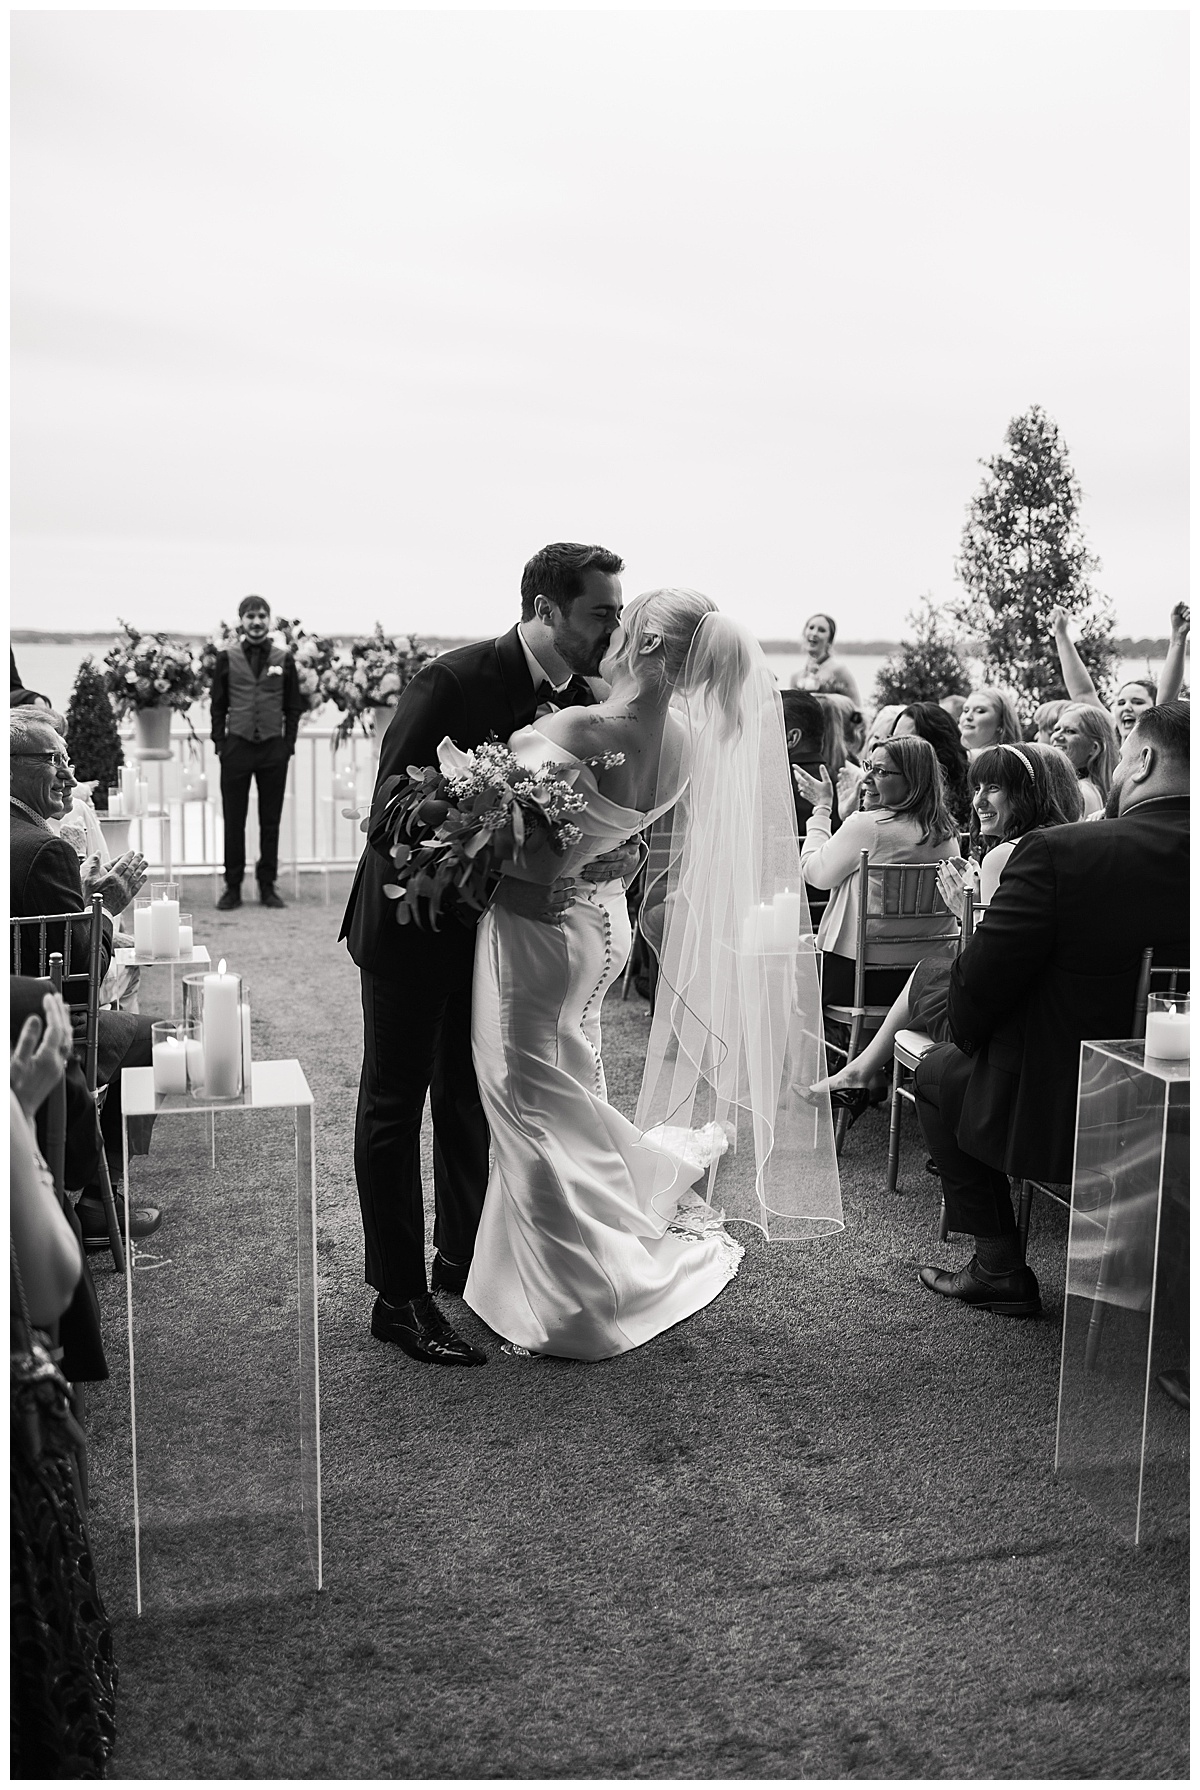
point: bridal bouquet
(146, 671)
(370, 673)
(449, 827)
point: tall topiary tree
(929, 665)
(92, 737)
(1023, 553)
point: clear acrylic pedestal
(224, 1371)
(1122, 1438)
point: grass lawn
(814, 1532)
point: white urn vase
(152, 732)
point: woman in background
(822, 671)
(929, 721)
(989, 718)
(1136, 695)
(1088, 737)
(1014, 793)
(911, 826)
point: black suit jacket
(1056, 962)
(470, 693)
(44, 879)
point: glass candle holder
(116, 803)
(213, 1004)
(174, 1054)
(1169, 1026)
(143, 942)
(187, 936)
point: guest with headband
(1014, 795)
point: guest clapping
(911, 825)
(821, 670)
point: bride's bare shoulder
(579, 731)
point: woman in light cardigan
(911, 826)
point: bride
(594, 1235)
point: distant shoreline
(1126, 646)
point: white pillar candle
(758, 931)
(170, 1067)
(128, 788)
(1168, 1034)
(222, 1034)
(195, 1062)
(246, 1038)
(143, 939)
(186, 939)
(164, 927)
(142, 789)
(788, 906)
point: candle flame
(1171, 1007)
(221, 967)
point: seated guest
(44, 878)
(910, 826)
(929, 721)
(1014, 794)
(1138, 694)
(1064, 781)
(1056, 963)
(63, 1678)
(36, 1047)
(1044, 717)
(1088, 737)
(814, 738)
(989, 718)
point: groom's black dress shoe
(419, 1328)
(1013, 1295)
(448, 1277)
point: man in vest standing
(256, 710)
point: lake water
(52, 666)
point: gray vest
(256, 703)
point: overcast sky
(357, 310)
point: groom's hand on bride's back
(623, 861)
(535, 901)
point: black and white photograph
(599, 894)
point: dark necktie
(577, 693)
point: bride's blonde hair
(717, 667)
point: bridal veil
(736, 1036)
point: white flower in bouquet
(161, 684)
(389, 683)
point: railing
(182, 835)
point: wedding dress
(592, 1238)
(598, 1233)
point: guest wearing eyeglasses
(909, 826)
(45, 878)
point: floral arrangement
(448, 827)
(144, 671)
(313, 654)
(370, 673)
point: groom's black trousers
(976, 1195)
(417, 1039)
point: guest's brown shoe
(1012, 1295)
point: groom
(416, 985)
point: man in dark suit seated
(1056, 962)
(44, 878)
